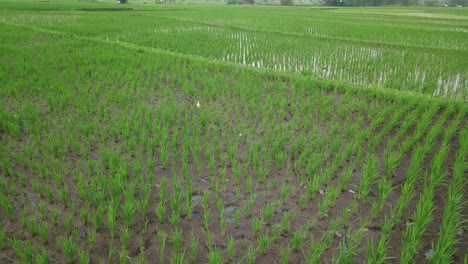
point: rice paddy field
(209, 133)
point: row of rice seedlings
(407, 193)
(412, 235)
(452, 222)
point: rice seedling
(24, 250)
(264, 244)
(369, 175)
(83, 257)
(125, 236)
(177, 240)
(193, 247)
(44, 232)
(230, 248)
(42, 258)
(69, 248)
(178, 258)
(7, 206)
(250, 255)
(162, 248)
(298, 240)
(215, 256)
(257, 225)
(161, 211)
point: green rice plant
(175, 218)
(112, 220)
(44, 231)
(8, 206)
(32, 225)
(368, 177)
(164, 154)
(280, 157)
(91, 239)
(223, 224)
(85, 215)
(209, 239)
(349, 246)
(163, 190)
(7, 167)
(316, 251)
(123, 256)
(215, 256)
(346, 215)
(205, 200)
(24, 250)
(212, 165)
(111, 253)
(207, 219)
(377, 255)
(68, 224)
(264, 244)
(68, 247)
(375, 210)
(249, 184)
(3, 237)
(285, 192)
(217, 189)
(97, 217)
(257, 225)
(54, 216)
(285, 254)
(83, 257)
(249, 205)
(42, 258)
(125, 235)
(237, 217)
(286, 221)
(331, 195)
(230, 248)
(391, 161)
(276, 232)
(250, 254)
(189, 206)
(42, 209)
(143, 203)
(178, 257)
(323, 209)
(262, 172)
(177, 239)
(385, 188)
(193, 247)
(140, 259)
(64, 196)
(412, 234)
(313, 186)
(128, 211)
(268, 213)
(162, 244)
(452, 220)
(302, 202)
(161, 211)
(298, 240)
(220, 205)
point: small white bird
(198, 104)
